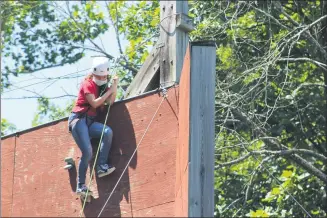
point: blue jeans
(83, 131)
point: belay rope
(130, 159)
(95, 160)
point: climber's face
(105, 77)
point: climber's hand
(115, 79)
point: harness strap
(79, 116)
(84, 114)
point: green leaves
(48, 35)
(225, 56)
(6, 127)
(47, 111)
(286, 175)
(262, 98)
(139, 24)
(258, 213)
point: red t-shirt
(88, 86)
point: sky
(21, 112)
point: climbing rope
(95, 160)
(164, 97)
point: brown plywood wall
(7, 173)
(182, 149)
(37, 184)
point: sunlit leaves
(225, 55)
(6, 127)
(47, 111)
(45, 34)
(259, 213)
(286, 174)
(139, 24)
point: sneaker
(82, 189)
(104, 170)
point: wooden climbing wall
(34, 182)
(7, 173)
(182, 149)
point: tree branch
(270, 16)
(238, 160)
(247, 192)
(319, 64)
(231, 204)
(280, 7)
(126, 66)
(115, 25)
(86, 35)
(37, 69)
(33, 97)
(307, 84)
(270, 152)
(295, 157)
(307, 33)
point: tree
(6, 127)
(50, 34)
(18, 20)
(270, 113)
(47, 111)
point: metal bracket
(164, 91)
(184, 22)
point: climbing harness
(80, 116)
(164, 92)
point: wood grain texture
(168, 54)
(181, 199)
(182, 149)
(180, 41)
(144, 75)
(163, 210)
(7, 173)
(154, 162)
(202, 134)
(175, 41)
(41, 185)
(43, 188)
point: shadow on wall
(124, 144)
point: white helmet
(100, 66)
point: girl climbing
(93, 93)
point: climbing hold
(70, 163)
